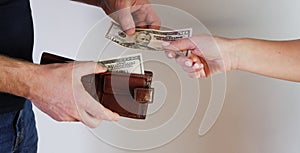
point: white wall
(260, 114)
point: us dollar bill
(128, 64)
(145, 39)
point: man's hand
(57, 90)
(131, 14)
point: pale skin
(211, 55)
(129, 13)
(56, 89)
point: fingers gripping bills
(145, 39)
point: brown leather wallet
(127, 94)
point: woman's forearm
(278, 59)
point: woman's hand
(209, 55)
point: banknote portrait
(142, 40)
(145, 39)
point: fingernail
(196, 66)
(201, 66)
(130, 31)
(165, 43)
(188, 63)
(202, 73)
(170, 55)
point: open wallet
(127, 94)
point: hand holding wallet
(127, 94)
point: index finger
(126, 20)
(152, 19)
(179, 45)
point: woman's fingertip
(201, 66)
(188, 63)
(170, 55)
(196, 66)
(202, 73)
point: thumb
(125, 18)
(99, 68)
(85, 68)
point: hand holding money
(127, 94)
(145, 39)
(131, 14)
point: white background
(260, 115)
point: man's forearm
(278, 59)
(15, 76)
